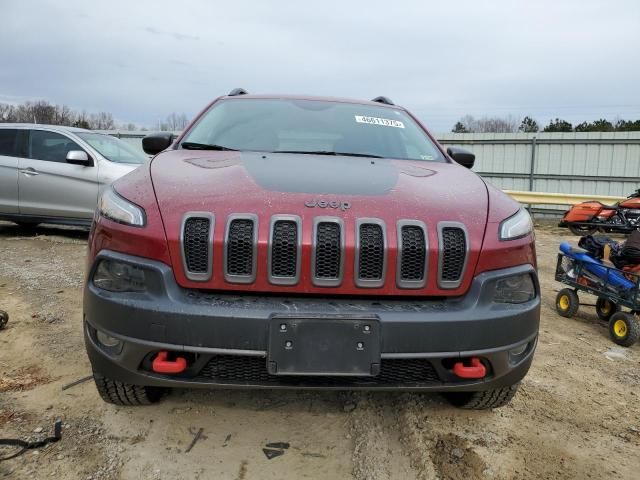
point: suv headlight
(116, 276)
(516, 226)
(116, 208)
(515, 289)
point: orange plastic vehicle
(589, 217)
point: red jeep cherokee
(301, 242)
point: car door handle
(29, 172)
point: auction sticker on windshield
(385, 122)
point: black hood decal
(320, 174)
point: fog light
(107, 340)
(519, 350)
(116, 276)
(515, 289)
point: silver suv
(55, 174)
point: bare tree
(82, 120)
(175, 122)
(101, 121)
(508, 124)
(7, 113)
(63, 115)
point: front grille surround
(198, 276)
(370, 282)
(447, 283)
(412, 283)
(230, 276)
(324, 281)
(284, 280)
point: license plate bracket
(324, 346)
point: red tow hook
(162, 365)
(475, 370)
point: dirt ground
(577, 414)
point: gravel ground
(577, 414)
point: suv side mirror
(156, 143)
(79, 157)
(462, 156)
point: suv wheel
(496, 398)
(120, 393)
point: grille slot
(197, 241)
(412, 254)
(328, 251)
(453, 254)
(284, 250)
(253, 370)
(370, 253)
(240, 248)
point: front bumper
(226, 336)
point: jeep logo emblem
(325, 204)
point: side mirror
(462, 156)
(79, 157)
(156, 143)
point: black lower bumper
(226, 338)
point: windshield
(113, 149)
(312, 126)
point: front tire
(567, 302)
(624, 329)
(582, 231)
(488, 399)
(125, 394)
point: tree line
(509, 124)
(47, 113)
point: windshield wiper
(203, 146)
(328, 152)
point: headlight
(116, 208)
(116, 276)
(515, 289)
(516, 226)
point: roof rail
(384, 100)
(237, 91)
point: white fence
(595, 163)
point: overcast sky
(141, 60)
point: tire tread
(125, 394)
(632, 324)
(484, 400)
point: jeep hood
(266, 184)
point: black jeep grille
(240, 247)
(413, 253)
(196, 244)
(287, 265)
(253, 370)
(328, 251)
(284, 249)
(371, 253)
(454, 252)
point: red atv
(588, 217)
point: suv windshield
(112, 148)
(311, 126)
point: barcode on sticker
(385, 122)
